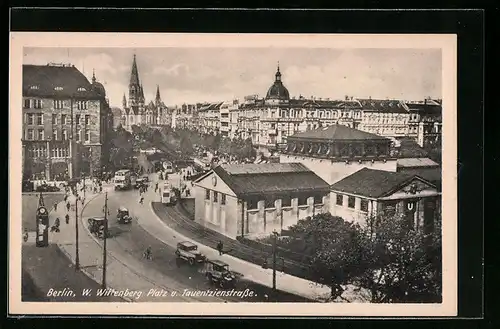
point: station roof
(337, 132)
(374, 183)
(267, 178)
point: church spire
(158, 98)
(134, 76)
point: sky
(190, 75)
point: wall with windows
(352, 208)
(334, 170)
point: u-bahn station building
(337, 151)
(256, 199)
(337, 169)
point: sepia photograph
(253, 174)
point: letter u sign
(410, 206)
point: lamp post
(104, 255)
(77, 253)
(275, 236)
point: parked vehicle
(217, 272)
(47, 188)
(189, 252)
(123, 216)
(97, 226)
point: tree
(401, 264)
(332, 246)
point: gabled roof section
(373, 183)
(56, 81)
(337, 132)
(258, 179)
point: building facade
(252, 200)
(370, 193)
(209, 118)
(66, 120)
(269, 121)
(337, 151)
(135, 111)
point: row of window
(351, 202)
(39, 134)
(215, 196)
(37, 119)
(33, 103)
(41, 151)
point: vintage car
(141, 181)
(217, 272)
(189, 252)
(123, 216)
(97, 226)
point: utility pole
(77, 252)
(275, 234)
(104, 260)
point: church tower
(158, 97)
(134, 87)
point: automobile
(189, 252)
(217, 272)
(97, 226)
(47, 188)
(123, 216)
(141, 181)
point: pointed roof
(142, 92)
(134, 75)
(158, 93)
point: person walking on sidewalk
(220, 247)
(68, 206)
(55, 206)
(156, 187)
(141, 200)
(67, 219)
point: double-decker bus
(168, 196)
(122, 179)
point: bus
(169, 168)
(168, 195)
(122, 179)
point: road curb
(84, 271)
(182, 237)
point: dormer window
(58, 88)
(34, 87)
(81, 89)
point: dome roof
(278, 90)
(97, 86)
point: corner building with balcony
(337, 151)
(66, 120)
(254, 199)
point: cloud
(196, 75)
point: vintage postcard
(233, 175)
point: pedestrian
(83, 201)
(67, 219)
(100, 188)
(68, 206)
(156, 187)
(65, 198)
(141, 200)
(220, 247)
(55, 206)
(25, 235)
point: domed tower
(97, 86)
(134, 87)
(278, 92)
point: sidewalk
(123, 272)
(251, 271)
(118, 276)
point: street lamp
(77, 253)
(104, 255)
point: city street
(129, 241)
